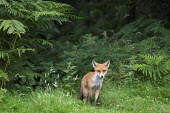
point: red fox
(92, 82)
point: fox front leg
(90, 96)
(97, 97)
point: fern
(13, 27)
(155, 66)
(19, 17)
(163, 36)
(38, 10)
(42, 42)
(21, 50)
(6, 54)
(140, 26)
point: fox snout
(100, 75)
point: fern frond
(21, 50)
(161, 30)
(4, 3)
(42, 41)
(37, 10)
(155, 65)
(56, 6)
(12, 27)
(47, 14)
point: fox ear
(94, 63)
(107, 63)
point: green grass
(125, 99)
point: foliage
(26, 80)
(51, 77)
(18, 19)
(154, 66)
(69, 81)
(61, 66)
(143, 36)
(122, 48)
(37, 12)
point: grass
(125, 99)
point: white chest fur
(97, 82)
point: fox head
(101, 69)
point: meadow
(140, 98)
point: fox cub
(92, 82)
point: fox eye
(104, 70)
(98, 71)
